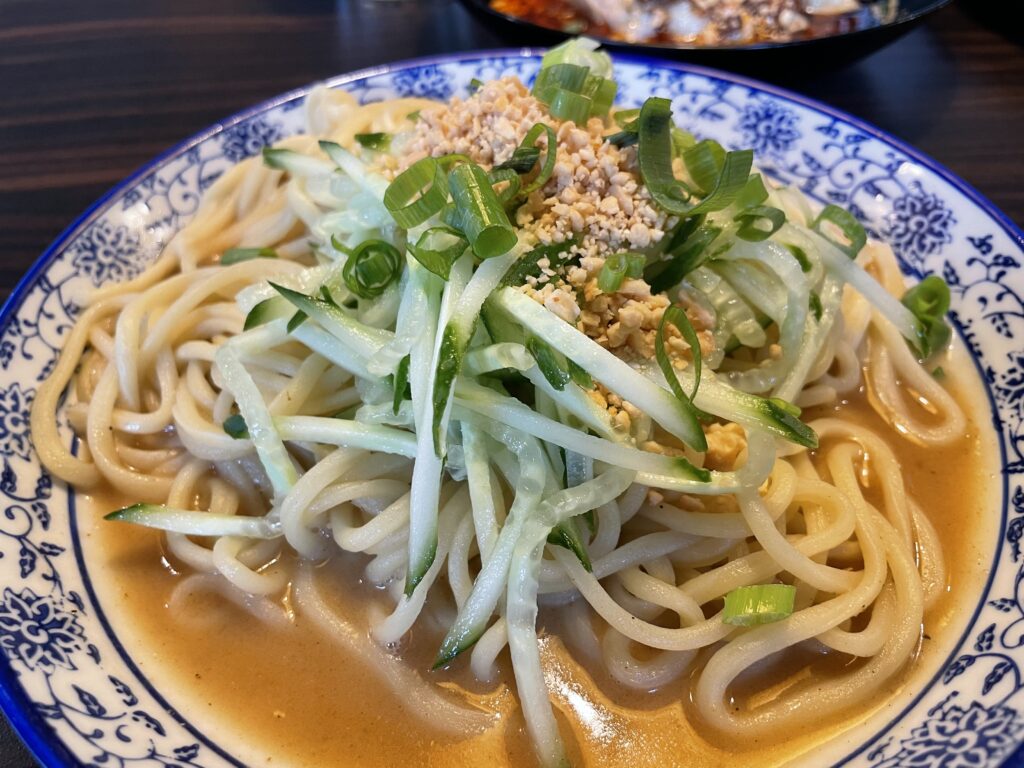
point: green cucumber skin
(449, 364)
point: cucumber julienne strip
(761, 458)
(521, 618)
(509, 411)
(556, 509)
(424, 493)
(496, 357)
(346, 433)
(491, 581)
(521, 621)
(356, 169)
(408, 327)
(481, 490)
(269, 448)
(331, 347)
(573, 400)
(837, 262)
(657, 401)
(194, 523)
(456, 337)
(750, 411)
(567, 535)
(363, 339)
(295, 163)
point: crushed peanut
(725, 444)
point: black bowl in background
(826, 51)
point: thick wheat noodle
(486, 651)
(891, 369)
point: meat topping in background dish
(698, 22)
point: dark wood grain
(89, 91)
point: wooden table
(90, 91)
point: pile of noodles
(146, 395)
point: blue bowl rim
(32, 727)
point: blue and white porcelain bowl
(76, 693)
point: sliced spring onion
(557, 255)
(626, 118)
(438, 248)
(582, 51)
(754, 192)
(617, 268)
(753, 223)
(235, 255)
(474, 85)
(372, 267)
(378, 142)
(929, 301)
(721, 176)
(569, 105)
(663, 275)
(235, 426)
(850, 228)
(417, 193)
(339, 246)
(655, 156)
(513, 183)
(760, 604)
(627, 137)
(675, 316)
(704, 161)
(522, 161)
(550, 153)
(734, 175)
(571, 92)
(681, 141)
(682, 232)
(478, 212)
(452, 159)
